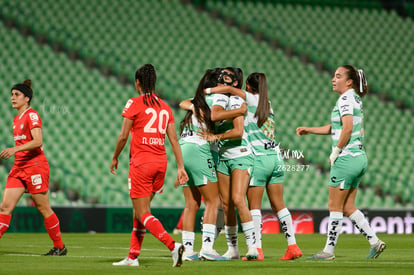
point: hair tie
(361, 80)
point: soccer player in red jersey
(30, 171)
(148, 118)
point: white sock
(257, 220)
(231, 237)
(360, 222)
(249, 233)
(334, 229)
(188, 241)
(285, 220)
(208, 236)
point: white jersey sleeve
(220, 100)
(235, 102)
(252, 99)
(346, 104)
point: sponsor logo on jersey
(127, 105)
(345, 108)
(21, 126)
(34, 117)
(187, 134)
(235, 106)
(221, 100)
(37, 180)
(21, 137)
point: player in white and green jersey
(268, 163)
(199, 165)
(234, 168)
(348, 160)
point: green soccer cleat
(191, 257)
(376, 250)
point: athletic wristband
(191, 107)
(208, 91)
(335, 154)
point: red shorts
(146, 178)
(34, 178)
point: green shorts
(348, 171)
(215, 155)
(199, 164)
(267, 169)
(226, 166)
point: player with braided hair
(348, 159)
(148, 118)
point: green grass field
(94, 254)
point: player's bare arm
(322, 130)
(120, 143)
(36, 142)
(218, 113)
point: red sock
(155, 227)
(180, 221)
(4, 223)
(137, 236)
(53, 229)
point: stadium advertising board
(28, 219)
(316, 221)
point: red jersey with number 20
(22, 125)
(148, 129)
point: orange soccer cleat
(293, 252)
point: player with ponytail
(31, 169)
(348, 159)
(267, 160)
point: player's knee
(192, 205)
(349, 210)
(239, 201)
(5, 209)
(212, 202)
(225, 207)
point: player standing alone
(348, 160)
(148, 118)
(31, 169)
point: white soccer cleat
(212, 255)
(252, 253)
(177, 255)
(127, 262)
(232, 255)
